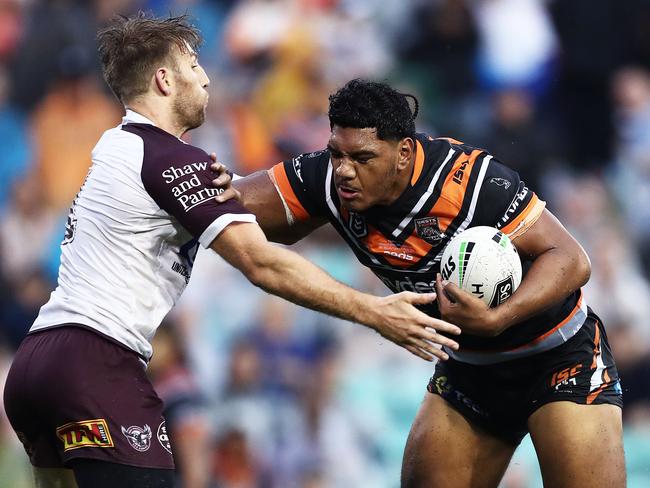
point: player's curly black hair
(367, 104)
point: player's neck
(162, 117)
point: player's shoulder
(161, 146)
(313, 158)
(165, 158)
(310, 166)
(442, 146)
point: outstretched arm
(288, 275)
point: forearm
(554, 275)
(292, 277)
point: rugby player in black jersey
(538, 363)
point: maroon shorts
(72, 393)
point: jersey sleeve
(505, 201)
(301, 185)
(184, 190)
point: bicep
(260, 196)
(545, 234)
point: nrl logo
(427, 228)
(357, 225)
(138, 437)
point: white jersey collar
(135, 118)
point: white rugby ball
(482, 261)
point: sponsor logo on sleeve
(428, 229)
(500, 182)
(85, 433)
(138, 437)
(190, 191)
(163, 437)
(514, 205)
(297, 168)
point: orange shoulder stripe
(282, 181)
(526, 218)
(448, 205)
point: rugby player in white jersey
(77, 394)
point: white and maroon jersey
(133, 232)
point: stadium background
(261, 393)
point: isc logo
(459, 173)
(565, 376)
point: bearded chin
(189, 116)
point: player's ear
(162, 78)
(406, 149)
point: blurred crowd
(260, 393)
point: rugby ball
(482, 261)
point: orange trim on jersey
(526, 218)
(411, 251)
(419, 162)
(558, 326)
(448, 205)
(282, 182)
(376, 243)
(421, 246)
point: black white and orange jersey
(453, 187)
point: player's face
(191, 97)
(365, 168)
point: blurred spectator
(591, 50)
(52, 28)
(11, 27)
(28, 294)
(15, 156)
(233, 464)
(249, 424)
(617, 285)
(631, 169)
(438, 52)
(515, 53)
(26, 228)
(517, 137)
(327, 443)
(255, 27)
(187, 421)
(66, 126)
(443, 38)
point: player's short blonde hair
(132, 48)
